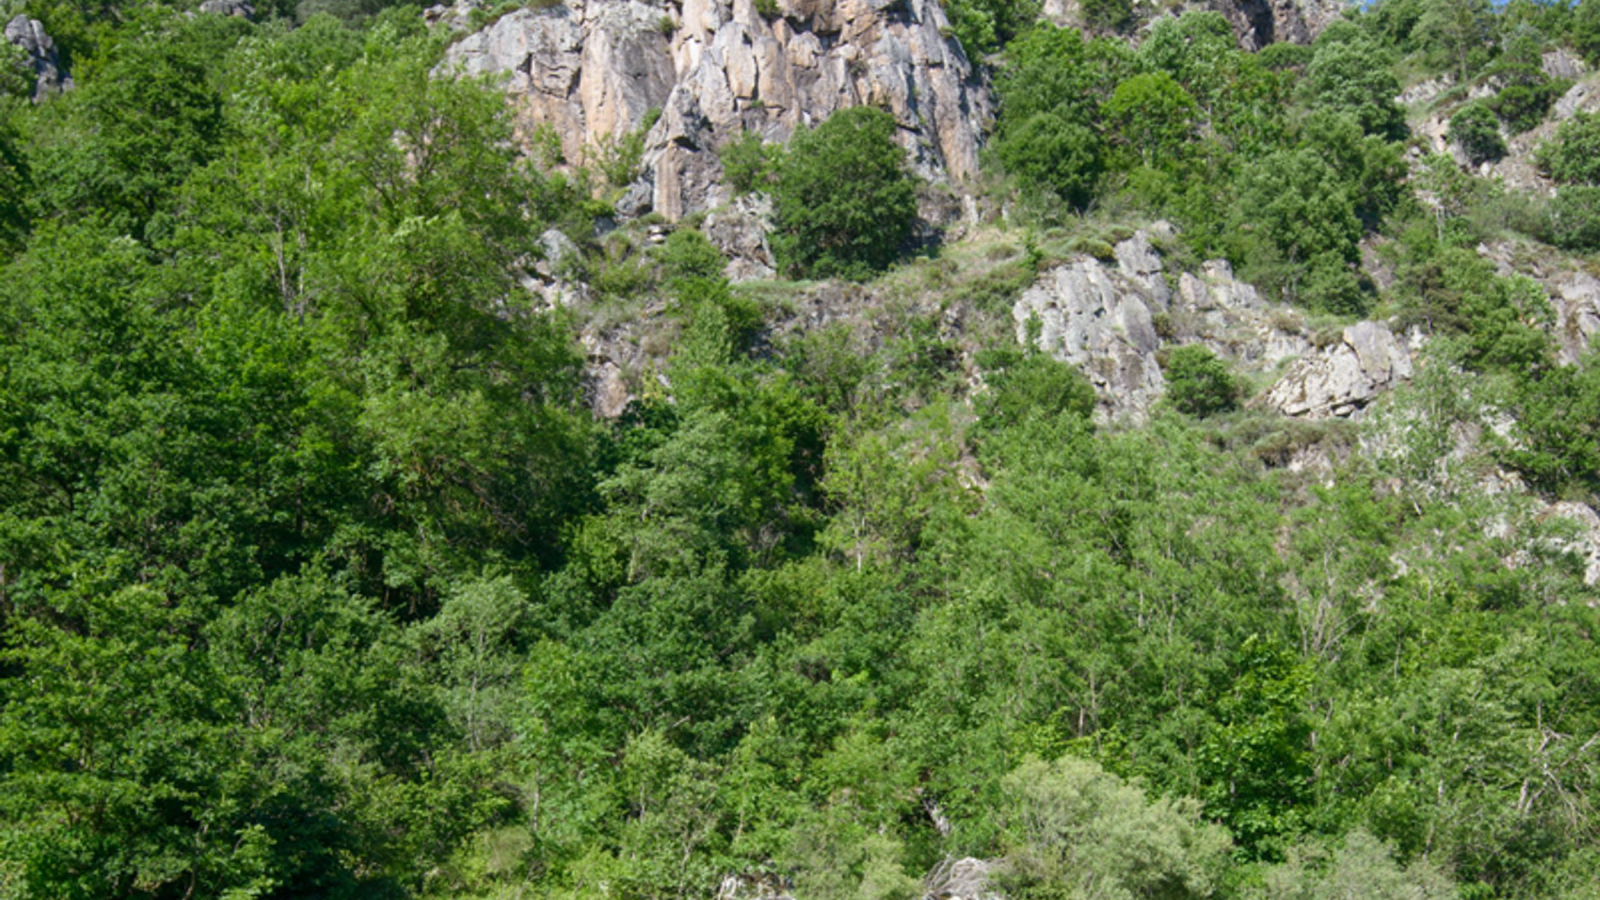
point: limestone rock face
(1344, 377)
(1262, 22)
(1586, 543)
(740, 231)
(1576, 300)
(48, 75)
(1110, 319)
(594, 69)
(587, 70)
(1099, 320)
(236, 8)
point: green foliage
(1154, 115)
(843, 199)
(1050, 92)
(1354, 77)
(1476, 130)
(1586, 29)
(1078, 831)
(618, 154)
(318, 577)
(1522, 106)
(1460, 31)
(1198, 383)
(1108, 15)
(1024, 386)
(1360, 866)
(156, 117)
(983, 26)
(1570, 157)
(1574, 218)
(748, 162)
(14, 188)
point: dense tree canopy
(321, 577)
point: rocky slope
(1111, 318)
(594, 70)
(40, 56)
(1256, 22)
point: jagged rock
(1262, 22)
(456, 17)
(1098, 320)
(1560, 63)
(1104, 320)
(1426, 91)
(558, 250)
(1583, 96)
(961, 879)
(1341, 379)
(240, 9)
(1577, 305)
(715, 68)
(590, 71)
(740, 231)
(753, 886)
(48, 75)
(1586, 543)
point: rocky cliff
(593, 70)
(1110, 319)
(39, 52)
(1256, 22)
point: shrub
(1573, 155)
(1332, 285)
(688, 255)
(843, 199)
(1075, 830)
(1026, 385)
(1476, 130)
(746, 162)
(1198, 383)
(983, 26)
(1108, 15)
(1282, 56)
(1574, 218)
(1523, 106)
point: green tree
(1050, 92)
(1476, 130)
(984, 26)
(843, 199)
(1199, 383)
(1354, 77)
(1078, 832)
(1461, 30)
(1154, 115)
(1570, 156)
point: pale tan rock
(595, 68)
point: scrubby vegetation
(318, 578)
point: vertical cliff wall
(592, 69)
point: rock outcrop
(239, 9)
(594, 70)
(1262, 22)
(1100, 320)
(1342, 378)
(1585, 543)
(49, 77)
(1256, 22)
(1111, 318)
(590, 72)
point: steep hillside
(800, 450)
